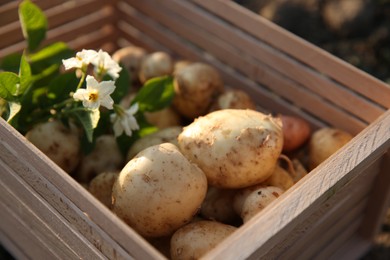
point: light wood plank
(294, 46)
(254, 58)
(92, 219)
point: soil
(357, 31)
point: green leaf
(9, 85)
(14, 108)
(156, 94)
(11, 62)
(33, 22)
(54, 53)
(24, 75)
(89, 120)
(60, 87)
(122, 85)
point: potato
(280, 178)
(252, 200)
(60, 143)
(130, 58)
(235, 148)
(195, 239)
(296, 131)
(233, 98)
(155, 64)
(218, 205)
(166, 135)
(101, 187)
(158, 191)
(180, 64)
(163, 118)
(105, 156)
(324, 142)
(196, 85)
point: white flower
(105, 64)
(83, 58)
(96, 94)
(124, 120)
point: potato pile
(190, 185)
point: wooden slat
(243, 53)
(294, 46)
(352, 200)
(353, 249)
(187, 51)
(379, 201)
(305, 197)
(49, 231)
(88, 216)
(284, 87)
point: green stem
(83, 76)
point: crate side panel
(80, 208)
(257, 60)
(294, 46)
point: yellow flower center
(93, 96)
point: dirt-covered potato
(196, 85)
(258, 200)
(130, 58)
(106, 156)
(163, 118)
(166, 135)
(218, 206)
(101, 187)
(158, 191)
(324, 142)
(280, 178)
(60, 143)
(233, 98)
(235, 148)
(155, 64)
(195, 239)
(249, 201)
(180, 64)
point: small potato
(130, 58)
(324, 142)
(235, 148)
(251, 201)
(196, 86)
(180, 64)
(195, 239)
(233, 98)
(280, 178)
(218, 205)
(158, 191)
(106, 156)
(166, 135)
(101, 187)
(163, 118)
(60, 143)
(155, 64)
(296, 132)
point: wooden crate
(334, 212)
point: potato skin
(166, 135)
(258, 200)
(101, 187)
(131, 58)
(195, 239)
(235, 148)
(155, 64)
(59, 143)
(233, 98)
(296, 131)
(158, 191)
(196, 85)
(324, 142)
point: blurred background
(357, 31)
